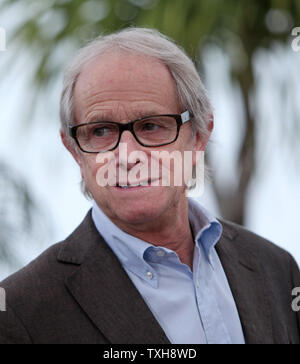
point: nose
(132, 145)
(128, 138)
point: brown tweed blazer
(77, 292)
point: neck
(172, 232)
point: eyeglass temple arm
(186, 116)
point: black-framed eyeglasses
(149, 131)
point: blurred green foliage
(240, 27)
(20, 217)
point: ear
(75, 153)
(202, 141)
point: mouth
(135, 186)
(129, 187)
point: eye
(151, 126)
(101, 131)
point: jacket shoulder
(40, 272)
(251, 240)
(53, 264)
(25, 292)
(267, 253)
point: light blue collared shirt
(191, 307)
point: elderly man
(147, 264)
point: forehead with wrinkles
(124, 80)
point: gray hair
(149, 42)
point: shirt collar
(207, 229)
(135, 254)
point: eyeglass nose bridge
(127, 127)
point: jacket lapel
(104, 291)
(246, 281)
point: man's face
(121, 87)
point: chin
(138, 215)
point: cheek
(89, 167)
(174, 167)
(183, 165)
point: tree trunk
(232, 201)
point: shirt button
(161, 253)
(149, 275)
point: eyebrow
(108, 116)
